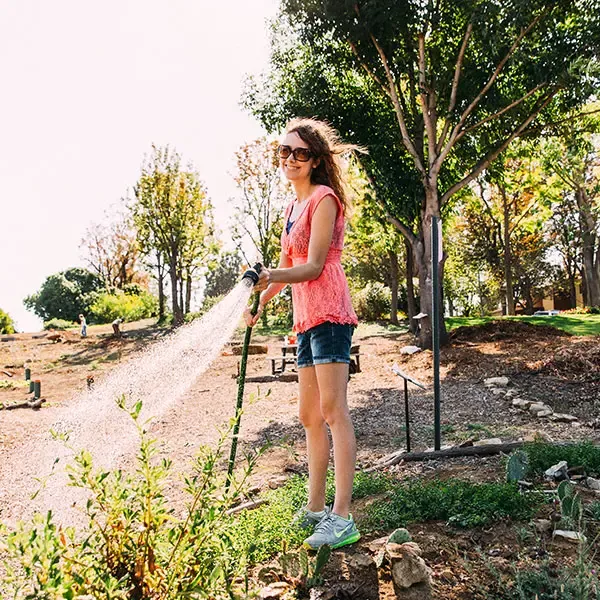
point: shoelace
(326, 524)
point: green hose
(240, 395)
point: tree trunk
(161, 290)
(394, 281)
(410, 288)
(510, 297)
(423, 259)
(177, 312)
(591, 253)
(188, 293)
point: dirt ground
(541, 363)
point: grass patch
(582, 454)
(573, 324)
(459, 503)
(13, 384)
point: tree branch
(426, 107)
(485, 162)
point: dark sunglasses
(300, 154)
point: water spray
(251, 278)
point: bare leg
(333, 384)
(317, 440)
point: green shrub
(460, 503)
(543, 455)
(7, 325)
(60, 324)
(134, 544)
(372, 302)
(129, 307)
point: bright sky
(87, 87)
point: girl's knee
(311, 418)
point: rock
(511, 393)
(571, 536)
(542, 525)
(557, 472)
(377, 544)
(496, 381)
(498, 391)
(487, 442)
(407, 567)
(563, 418)
(575, 424)
(520, 403)
(543, 413)
(537, 407)
(593, 484)
(536, 436)
(277, 481)
(409, 349)
(360, 561)
(400, 536)
(274, 590)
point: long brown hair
(326, 145)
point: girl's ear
(317, 163)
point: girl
(311, 247)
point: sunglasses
(300, 154)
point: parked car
(546, 313)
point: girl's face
(296, 170)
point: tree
(174, 220)
(65, 295)
(462, 80)
(7, 325)
(259, 210)
(575, 159)
(223, 275)
(112, 251)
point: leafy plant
(543, 455)
(570, 505)
(7, 325)
(60, 324)
(372, 302)
(517, 466)
(301, 570)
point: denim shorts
(325, 343)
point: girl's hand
(264, 279)
(251, 319)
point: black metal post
(27, 374)
(406, 415)
(37, 389)
(435, 332)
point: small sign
(396, 369)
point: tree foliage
(7, 325)
(436, 91)
(65, 295)
(223, 275)
(174, 220)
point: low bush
(60, 324)
(542, 455)
(129, 307)
(7, 325)
(373, 302)
(460, 503)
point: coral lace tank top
(326, 298)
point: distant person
(83, 326)
(116, 324)
(324, 320)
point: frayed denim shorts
(325, 343)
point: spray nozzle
(252, 273)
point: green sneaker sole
(346, 542)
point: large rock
(544, 413)
(593, 484)
(563, 418)
(487, 442)
(407, 566)
(496, 382)
(557, 472)
(537, 407)
(520, 403)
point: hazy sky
(87, 87)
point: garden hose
(252, 276)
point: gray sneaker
(307, 518)
(335, 531)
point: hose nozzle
(252, 274)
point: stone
(409, 349)
(593, 484)
(536, 407)
(536, 436)
(557, 472)
(400, 536)
(360, 561)
(542, 525)
(543, 413)
(277, 481)
(520, 403)
(498, 391)
(571, 536)
(563, 418)
(407, 566)
(575, 424)
(487, 442)
(275, 590)
(496, 381)
(511, 393)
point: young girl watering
(324, 320)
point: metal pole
(435, 332)
(27, 374)
(37, 389)
(406, 415)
